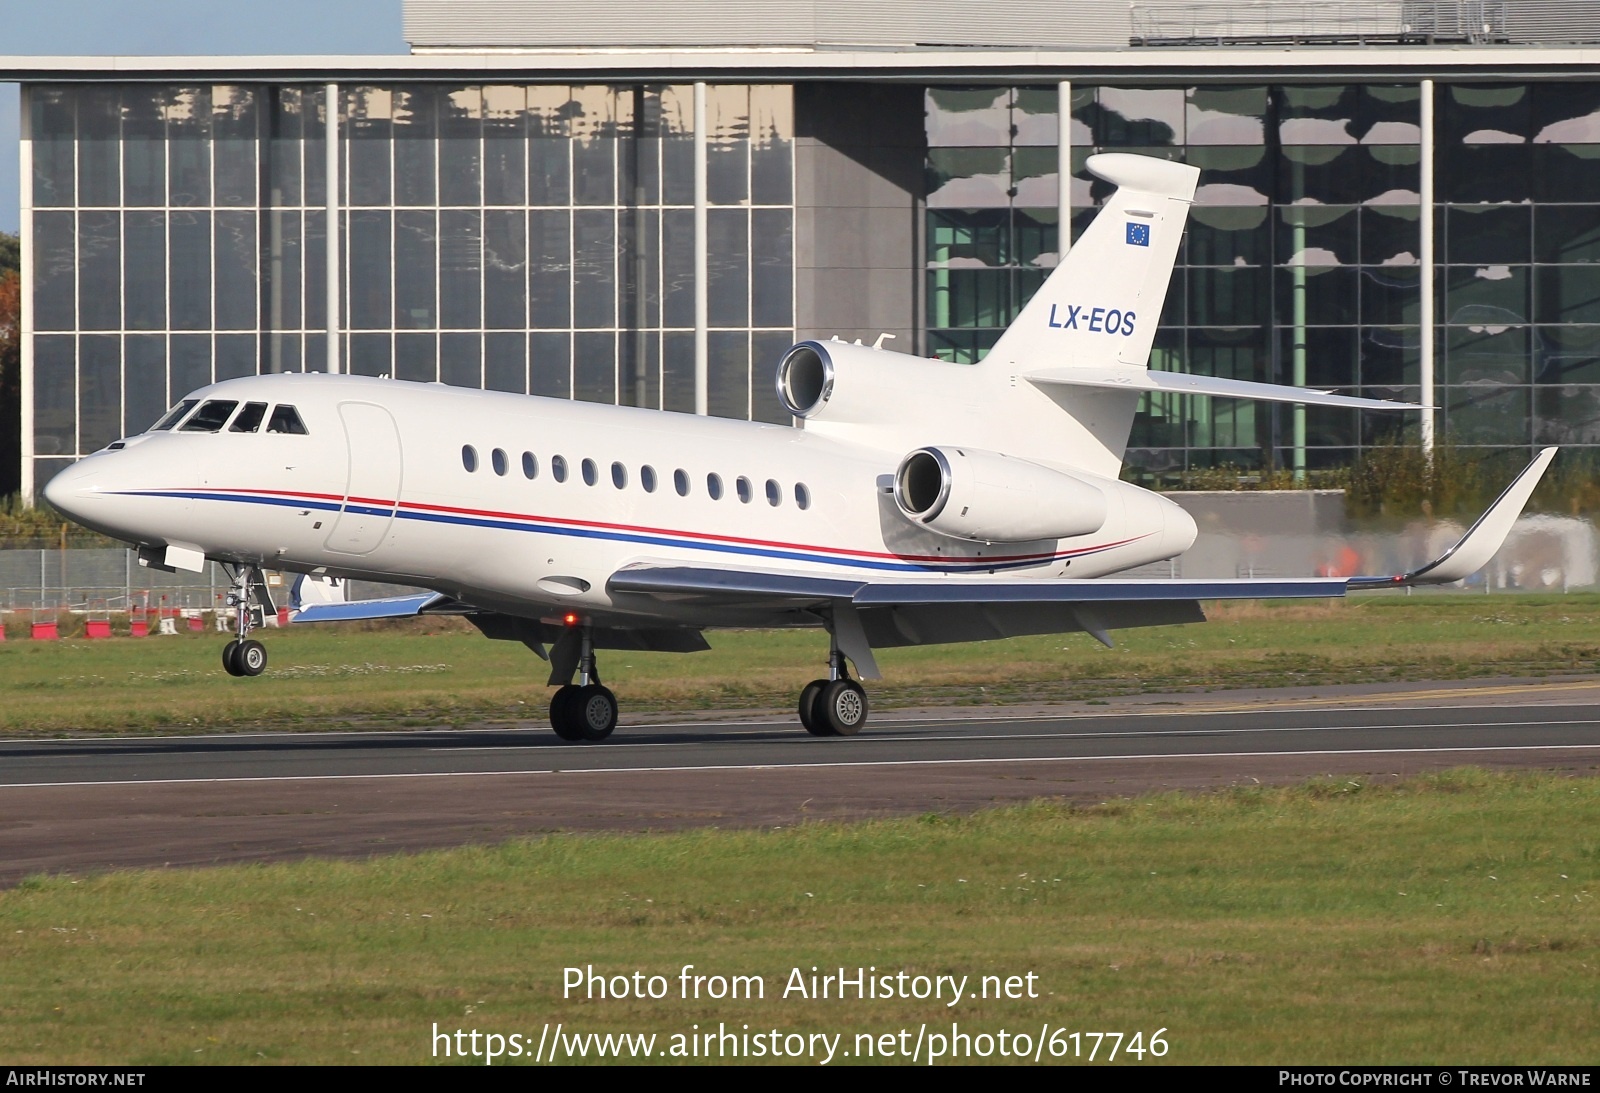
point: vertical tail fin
(1101, 305)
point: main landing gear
(587, 710)
(836, 706)
(244, 656)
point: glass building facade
(1301, 262)
(530, 238)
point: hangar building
(646, 204)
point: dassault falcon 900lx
(914, 501)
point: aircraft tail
(1101, 305)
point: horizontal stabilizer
(1182, 383)
(1473, 551)
(398, 607)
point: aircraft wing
(395, 607)
(1183, 383)
(870, 613)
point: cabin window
(174, 415)
(469, 458)
(647, 478)
(619, 476)
(249, 419)
(591, 473)
(680, 482)
(745, 492)
(802, 496)
(286, 419)
(500, 462)
(714, 486)
(774, 493)
(530, 465)
(558, 467)
(210, 417)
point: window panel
(1323, 174)
(1226, 115)
(1227, 297)
(728, 374)
(236, 271)
(727, 144)
(594, 367)
(284, 108)
(505, 270)
(728, 273)
(461, 359)
(144, 146)
(1564, 113)
(677, 145)
(99, 271)
(766, 350)
(53, 127)
(1135, 116)
(235, 134)
(369, 354)
(550, 365)
(99, 390)
(1317, 115)
(416, 357)
(1569, 414)
(772, 144)
(1227, 236)
(1565, 171)
(283, 269)
(1568, 294)
(460, 152)
(1488, 414)
(368, 132)
(1391, 295)
(1390, 359)
(145, 374)
(191, 362)
(55, 395)
(1485, 355)
(1485, 114)
(1492, 295)
(460, 269)
(977, 117)
(1566, 354)
(1485, 172)
(677, 268)
(505, 173)
(1317, 235)
(549, 146)
(367, 279)
(1391, 235)
(594, 256)
(1566, 233)
(1235, 177)
(968, 178)
(189, 269)
(505, 362)
(772, 288)
(1488, 234)
(235, 355)
(593, 145)
(99, 148)
(416, 269)
(188, 112)
(549, 268)
(677, 372)
(415, 125)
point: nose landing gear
(244, 656)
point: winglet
(1481, 541)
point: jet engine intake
(991, 498)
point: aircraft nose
(75, 490)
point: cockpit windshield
(174, 415)
(286, 419)
(210, 417)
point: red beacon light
(570, 619)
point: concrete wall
(859, 153)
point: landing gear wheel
(561, 717)
(250, 658)
(594, 709)
(842, 707)
(229, 652)
(814, 724)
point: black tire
(561, 719)
(594, 709)
(809, 717)
(251, 657)
(229, 665)
(843, 707)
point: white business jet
(913, 502)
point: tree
(10, 253)
(10, 382)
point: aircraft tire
(250, 657)
(809, 716)
(230, 665)
(561, 714)
(843, 707)
(595, 710)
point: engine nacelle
(844, 383)
(993, 498)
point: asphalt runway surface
(88, 804)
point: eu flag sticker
(1138, 234)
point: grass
(440, 671)
(1448, 919)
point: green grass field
(433, 671)
(1448, 919)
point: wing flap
(396, 607)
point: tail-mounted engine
(993, 498)
(844, 383)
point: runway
(85, 804)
